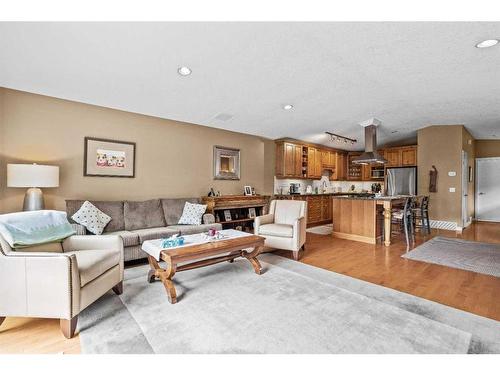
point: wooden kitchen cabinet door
(393, 157)
(326, 208)
(313, 209)
(409, 156)
(366, 172)
(313, 162)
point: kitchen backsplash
(281, 186)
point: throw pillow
(91, 218)
(192, 213)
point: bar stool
(404, 219)
(421, 216)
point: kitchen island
(319, 206)
(363, 219)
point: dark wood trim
(68, 326)
(2, 318)
(118, 288)
(85, 142)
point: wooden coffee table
(195, 256)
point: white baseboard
(446, 225)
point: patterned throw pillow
(91, 218)
(192, 213)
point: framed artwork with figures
(108, 158)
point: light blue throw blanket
(22, 229)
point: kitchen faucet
(324, 185)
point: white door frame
(476, 178)
(465, 190)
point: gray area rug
(291, 308)
(473, 256)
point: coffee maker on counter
(294, 188)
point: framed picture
(251, 212)
(227, 215)
(226, 163)
(108, 158)
(247, 190)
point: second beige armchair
(284, 227)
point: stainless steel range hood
(370, 156)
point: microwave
(377, 173)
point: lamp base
(33, 200)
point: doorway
(465, 190)
(488, 189)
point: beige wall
(173, 159)
(442, 145)
(486, 148)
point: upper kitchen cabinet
(340, 172)
(290, 160)
(328, 159)
(314, 166)
(401, 156)
(393, 157)
(409, 155)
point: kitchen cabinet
(401, 156)
(328, 159)
(354, 171)
(393, 157)
(314, 167)
(340, 172)
(313, 209)
(326, 208)
(366, 172)
(409, 156)
(289, 160)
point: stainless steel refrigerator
(401, 181)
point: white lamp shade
(32, 175)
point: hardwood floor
(464, 290)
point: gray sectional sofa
(136, 222)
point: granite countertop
(312, 194)
(381, 198)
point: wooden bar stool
(421, 216)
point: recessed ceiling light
(184, 71)
(487, 43)
(287, 107)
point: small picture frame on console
(247, 190)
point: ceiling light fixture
(341, 139)
(487, 43)
(184, 71)
(287, 107)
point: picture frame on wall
(226, 163)
(108, 158)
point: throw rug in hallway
(291, 308)
(473, 256)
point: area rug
(291, 308)
(473, 256)
(322, 229)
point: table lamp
(32, 176)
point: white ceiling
(408, 75)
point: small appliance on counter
(294, 188)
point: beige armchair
(58, 280)
(284, 227)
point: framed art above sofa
(108, 158)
